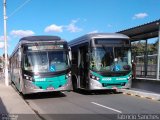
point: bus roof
(39, 38)
(87, 37)
(32, 39)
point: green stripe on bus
(54, 82)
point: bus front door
(83, 70)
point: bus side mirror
(70, 54)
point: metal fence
(151, 70)
(146, 66)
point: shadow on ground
(3, 109)
(97, 92)
(44, 95)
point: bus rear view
(104, 61)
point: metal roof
(143, 32)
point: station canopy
(143, 32)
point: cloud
(1, 45)
(54, 28)
(22, 33)
(95, 31)
(72, 27)
(140, 16)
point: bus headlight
(129, 77)
(68, 75)
(94, 77)
(27, 77)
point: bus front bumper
(30, 88)
(96, 85)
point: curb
(147, 95)
(17, 101)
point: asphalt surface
(102, 105)
(148, 85)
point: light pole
(5, 43)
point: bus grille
(113, 84)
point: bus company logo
(107, 79)
(121, 79)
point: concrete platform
(141, 93)
(147, 85)
(13, 106)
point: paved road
(102, 103)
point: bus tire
(21, 86)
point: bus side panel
(14, 70)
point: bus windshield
(110, 59)
(46, 61)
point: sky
(70, 19)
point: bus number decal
(106, 79)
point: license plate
(50, 88)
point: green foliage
(138, 48)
